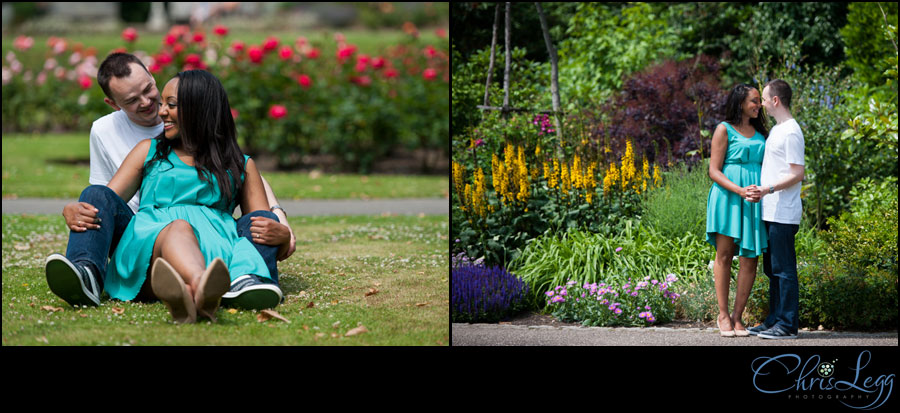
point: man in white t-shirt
(99, 217)
(779, 192)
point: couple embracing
(166, 174)
(754, 207)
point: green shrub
(679, 206)
(864, 240)
(849, 279)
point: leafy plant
(586, 258)
(605, 43)
(679, 206)
(642, 302)
(664, 109)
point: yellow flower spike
(478, 200)
(657, 178)
(458, 179)
(554, 176)
(565, 180)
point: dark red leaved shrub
(660, 105)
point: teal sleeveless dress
(726, 212)
(176, 192)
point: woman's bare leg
(178, 245)
(722, 276)
(746, 276)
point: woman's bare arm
(127, 179)
(717, 159)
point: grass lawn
(339, 260)
(57, 166)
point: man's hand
(81, 216)
(754, 193)
(286, 250)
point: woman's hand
(268, 231)
(81, 216)
(752, 193)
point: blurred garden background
(595, 212)
(335, 101)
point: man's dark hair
(116, 65)
(781, 89)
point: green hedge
(852, 282)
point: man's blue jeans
(780, 265)
(94, 246)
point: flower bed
(485, 294)
(289, 98)
(648, 301)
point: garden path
(464, 334)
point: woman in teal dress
(183, 231)
(734, 224)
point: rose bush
(291, 99)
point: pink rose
(277, 112)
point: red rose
(163, 58)
(346, 51)
(255, 53)
(362, 80)
(178, 48)
(277, 112)
(304, 81)
(84, 81)
(129, 34)
(198, 37)
(220, 30)
(312, 53)
(390, 72)
(192, 59)
(234, 114)
(285, 53)
(271, 43)
(170, 40)
(430, 51)
(378, 62)
(429, 74)
(238, 46)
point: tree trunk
(506, 69)
(487, 85)
(554, 73)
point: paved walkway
(517, 335)
(436, 206)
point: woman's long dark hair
(207, 132)
(733, 112)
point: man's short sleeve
(794, 147)
(102, 167)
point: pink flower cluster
(545, 124)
